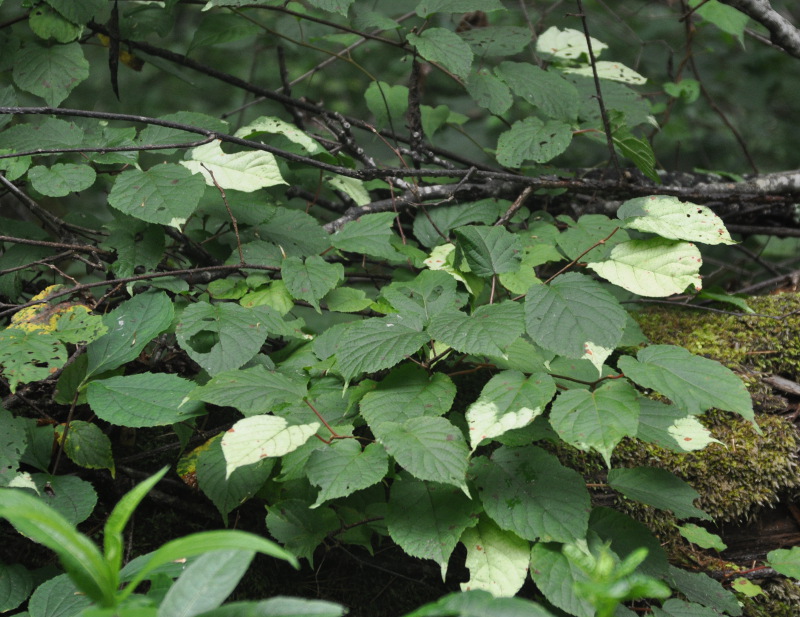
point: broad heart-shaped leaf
(242, 171)
(300, 529)
(669, 217)
(548, 90)
(342, 468)
(489, 92)
(533, 140)
(426, 519)
(311, 280)
(131, 327)
(658, 488)
(497, 560)
(253, 439)
(58, 591)
(252, 390)
(61, 179)
(596, 420)
(407, 392)
(426, 8)
(332, 6)
(51, 71)
(369, 234)
(146, 399)
(694, 384)
(386, 102)
(87, 445)
(555, 576)
(589, 230)
(296, 232)
(445, 48)
(700, 587)
(70, 496)
(489, 250)
(164, 194)
(378, 343)
(575, 317)
(489, 330)
(671, 427)
(16, 584)
(227, 493)
(429, 449)
(654, 267)
(494, 41)
(430, 293)
(222, 336)
(27, 356)
(136, 243)
(509, 400)
(432, 226)
(785, 561)
(527, 491)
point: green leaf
(51, 72)
(27, 356)
(52, 133)
(216, 573)
(637, 150)
(430, 225)
(281, 606)
(78, 12)
(77, 326)
(219, 28)
(596, 420)
(88, 446)
(59, 591)
(61, 179)
(575, 317)
(556, 577)
(242, 171)
(252, 391)
(617, 96)
(347, 300)
(136, 243)
(494, 41)
(510, 400)
(12, 445)
(228, 493)
(626, 537)
(702, 537)
(256, 438)
(746, 587)
(429, 449)
(275, 126)
(444, 47)
(669, 217)
(658, 488)
(16, 584)
(553, 95)
(479, 603)
(489, 250)
(377, 343)
(299, 528)
(153, 135)
(407, 392)
(332, 6)
(296, 232)
(387, 103)
(343, 468)
(426, 8)
(533, 140)
(785, 561)
(567, 44)
(426, 519)
(679, 608)
(146, 399)
(726, 18)
(613, 71)
(497, 560)
(352, 187)
(224, 336)
(164, 194)
(77, 553)
(46, 23)
(489, 330)
(699, 587)
(694, 384)
(368, 234)
(431, 292)
(671, 428)
(655, 267)
(488, 91)
(311, 280)
(131, 327)
(687, 89)
(527, 491)
(589, 230)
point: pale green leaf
(332, 6)
(588, 231)
(614, 71)
(444, 47)
(243, 171)
(746, 587)
(669, 217)
(386, 102)
(27, 356)
(347, 300)
(253, 439)
(312, 279)
(725, 17)
(352, 187)
(508, 401)
(596, 420)
(61, 179)
(785, 561)
(46, 23)
(654, 267)
(567, 44)
(694, 384)
(275, 126)
(489, 330)
(658, 488)
(533, 140)
(497, 560)
(527, 491)
(701, 537)
(51, 72)
(426, 519)
(553, 95)
(342, 468)
(164, 194)
(671, 428)
(429, 449)
(146, 399)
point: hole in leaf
(203, 341)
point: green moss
(781, 599)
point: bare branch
(782, 31)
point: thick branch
(782, 31)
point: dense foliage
(372, 271)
